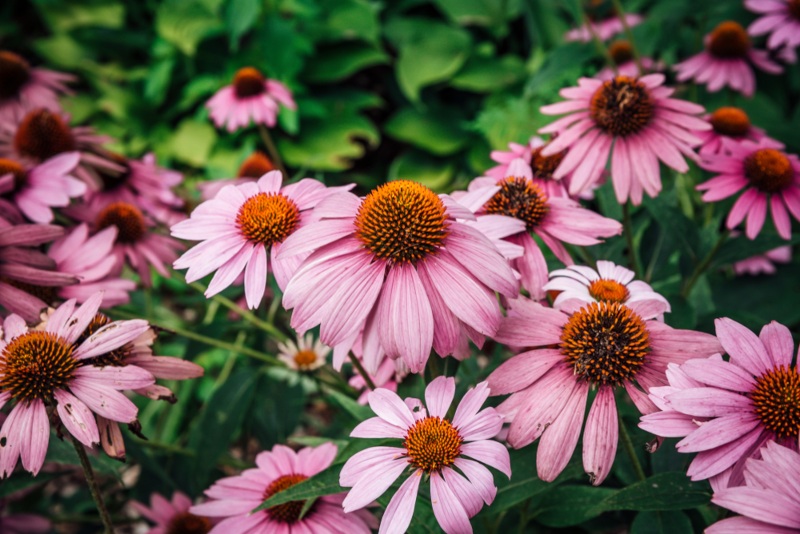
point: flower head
(172, 516)
(729, 126)
(768, 176)
(23, 87)
(763, 263)
(449, 453)
(631, 120)
(622, 55)
(234, 498)
(305, 355)
(251, 97)
(780, 19)
(603, 346)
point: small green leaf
(192, 141)
(423, 168)
(489, 74)
(663, 491)
(565, 506)
(329, 145)
(359, 412)
(240, 15)
(439, 133)
(185, 23)
(336, 62)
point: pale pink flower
(250, 97)
(555, 220)
(727, 60)
(578, 285)
(172, 516)
(633, 122)
(305, 355)
(729, 126)
(23, 87)
(61, 380)
(234, 498)
(769, 501)
(621, 53)
(397, 269)
(726, 411)
(763, 263)
(781, 20)
(448, 453)
(603, 346)
(768, 176)
(605, 23)
(244, 228)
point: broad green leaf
(504, 120)
(358, 411)
(276, 410)
(192, 141)
(663, 491)
(240, 15)
(185, 23)
(489, 74)
(67, 16)
(329, 145)
(439, 133)
(423, 168)
(336, 62)
(481, 13)
(565, 506)
(348, 20)
(674, 522)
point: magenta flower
(605, 23)
(730, 126)
(726, 411)
(768, 176)
(24, 88)
(622, 55)
(726, 61)
(172, 516)
(602, 346)
(234, 498)
(637, 117)
(250, 97)
(781, 20)
(555, 220)
(768, 501)
(46, 367)
(448, 453)
(398, 269)
(763, 263)
(578, 285)
(243, 228)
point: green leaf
(423, 168)
(675, 522)
(192, 141)
(358, 411)
(489, 74)
(565, 506)
(185, 23)
(329, 145)
(349, 20)
(481, 13)
(67, 16)
(436, 132)
(663, 491)
(336, 62)
(240, 15)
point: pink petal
(561, 437)
(401, 508)
(77, 417)
(447, 507)
(439, 395)
(600, 436)
(743, 346)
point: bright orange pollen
(187, 523)
(34, 365)
(777, 401)
(520, 198)
(402, 222)
(729, 40)
(127, 218)
(432, 443)
(248, 82)
(287, 512)
(43, 134)
(255, 166)
(608, 291)
(268, 218)
(769, 170)
(730, 121)
(305, 358)
(14, 74)
(621, 52)
(622, 106)
(8, 166)
(543, 167)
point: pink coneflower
(638, 118)
(726, 61)
(781, 20)
(400, 268)
(729, 126)
(622, 55)
(448, 453)
(602, 346)
(578, 285)
(605, 22)
(768, 501)
(554, 220)
(173, 516)
(37, 190)
(726, 411)
(387, 377)
(244, 228)
(234, 498)
(251, 97)
(305, 355)
(763, 263)
(45, 367)
(23, 88)
(769, 177)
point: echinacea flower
(763, 263)
(726, 410)
(578, 285)
(397, 269)
(729, 126)
(603, 346)
(555, 220)
(632, 121)
(172, 516)
(243, 228)
(23, 87)
(768, 176)
(605, 22)
(448, 453)
(781, 20)
(35, 191)
(726, 60)
(45, 367)
(251, 97)
(305, 355)
(254, 167)
(234, 498)
(769, 501)
(621, 52)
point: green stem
(627, 223)
(94, 489)
(360, 369)
(704, 264)
(628, 444)
(272, 149)
(637, 58)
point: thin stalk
(628, 444)
(637, 58)
(627, 223)
(360, 369)
(598, 43)
(704, 264)
(94, 489)
(272, 149)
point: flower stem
(93, 487)
(272, 149)
(598, 43)
(360, 369)
(628, 444)
(627, 223)
(629, 34)
(704, 264)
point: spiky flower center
(267, 218)
(608, 291)
(14, 73)
(606, 343)
(729, 40)
(248, 82)
(43, 134)
(305, 358)
(622, 106)
(776, 398)
(621, 52)
(520, 198)
(127, 218)
(35, 364)
(116, 358)
(255, 166)
(287, 512)
(768, 170)
(730, 121)
(8, 166)
(187, 523)
(432, 443)
(402, 222)
(543, 167)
